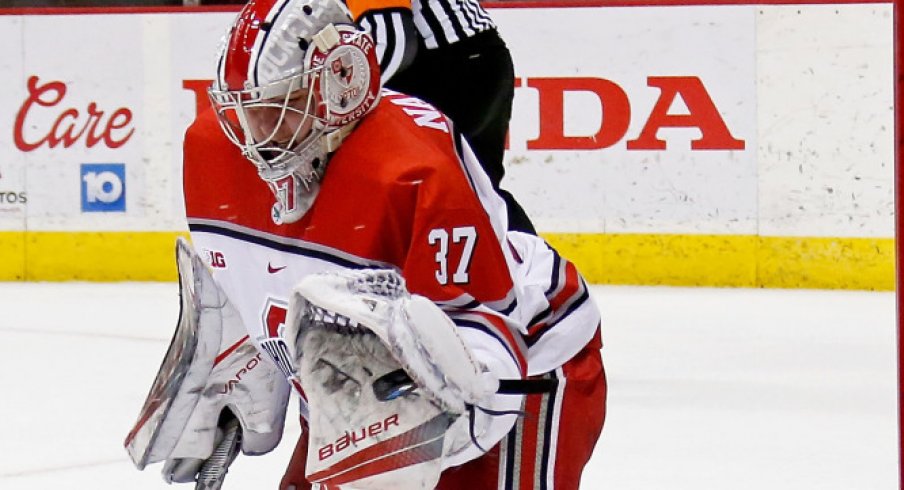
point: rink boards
(742, 145)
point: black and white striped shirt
(437, 23)
(443, 22)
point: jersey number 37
(464, 237)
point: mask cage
(252, 120)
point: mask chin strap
(334, 138)
(327, 38)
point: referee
(449, 53)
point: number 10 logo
(103, 187)
(440, 237)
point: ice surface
(709, 388)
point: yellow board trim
(88, 256)
(638, 259)
(12, 256)
(731, 260)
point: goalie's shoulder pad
(211, 365)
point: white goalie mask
(294, 76)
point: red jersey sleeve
(455, 259)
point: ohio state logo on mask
(350, 77)
(343, 69)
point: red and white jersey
(402, 192)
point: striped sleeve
(395, 35)
(566, 292)
(555, 303)
(493, 326)
(445, 22)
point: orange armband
(358, 7)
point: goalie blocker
(214, 393)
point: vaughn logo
(45, 119)
(236, 379)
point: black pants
(472, 82)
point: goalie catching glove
(386, 375)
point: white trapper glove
(387, 377)
(418, 334)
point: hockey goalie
(352, 254)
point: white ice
(709, 389)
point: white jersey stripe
(291, 245)
(444, 15)
(398, 49)
(378, 32)
(553, 441)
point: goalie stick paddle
(213, 473)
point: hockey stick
(213, 472)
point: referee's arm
(391, 24)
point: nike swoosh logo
(274, 270)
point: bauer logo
(103, 187)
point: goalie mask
(294, 76)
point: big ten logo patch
(103, 187)
(215, 258)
